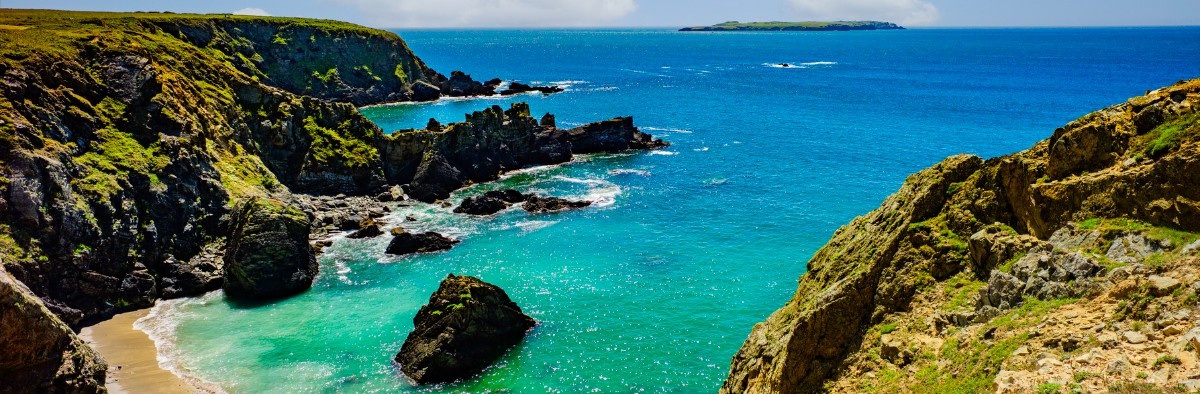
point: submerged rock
(464, 328)
(267, 254)
(409, 243)
(536, 205)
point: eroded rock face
(464, 328)
(490, 202)
(267, 254)
(408, 243)
(39, 352)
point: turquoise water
(655, 287)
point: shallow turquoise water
(656, 287)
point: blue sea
(656, 286)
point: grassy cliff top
(54, 32)
(798, 26)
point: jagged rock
(408, 243)
(40, 352)
(612, 135)
(490, 202)
(464, 328)
(1003, 291)
(537, 205)
(267, 254)
(1162, 286)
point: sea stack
(268, 255)
(464, 328)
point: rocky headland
(150, 156)
(1068, 267)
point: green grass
(329, 145)
(116, 155)
(1170, 135)
(887, 328)
(1167, 359)
(1049, 388)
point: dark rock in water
(493, 83)
(435, 179)
(464, 328)
(490, 202)
(423, 91)
(535, 204)
(40, 352)
(462, 85)
(267, 254)
(518, 88)
(370, 229)
(409, 243)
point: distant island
(797, 26)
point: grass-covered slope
(797, 26)
(1034, 271)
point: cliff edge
(1070, 265)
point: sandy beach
(132, 358)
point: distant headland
(797, 26)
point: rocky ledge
(1068, 266)
(464, 328)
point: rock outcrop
(404, 243)
(464, 328)
(939, 267)
(40, 353)
(267, 254)
(518, 88)
(432, 163)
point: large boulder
(409, 243)
(40, 353)
(267, 254)
(464, 328)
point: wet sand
(132, 358)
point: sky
(673, 13)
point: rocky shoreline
(131, 175)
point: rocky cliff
(1070, 265)
(127, 140)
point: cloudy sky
(575, 13)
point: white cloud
(491, 13)
(903, 12)
(252, 11)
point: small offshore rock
(409, 243)
(464, 328)
(535, 204)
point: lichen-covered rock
(267, 254)
(464, 328)
(408, 243)
(38, 352)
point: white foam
(627, 171)
(589, 182)
(663, 153)
(670, 130)
(703, 149)
(341, 270)
(819, 64)
(569, 82)
(535, 225)
(799, 65)
(603, 196)
(715, 181)
(161, 324)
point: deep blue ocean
(655, 287)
